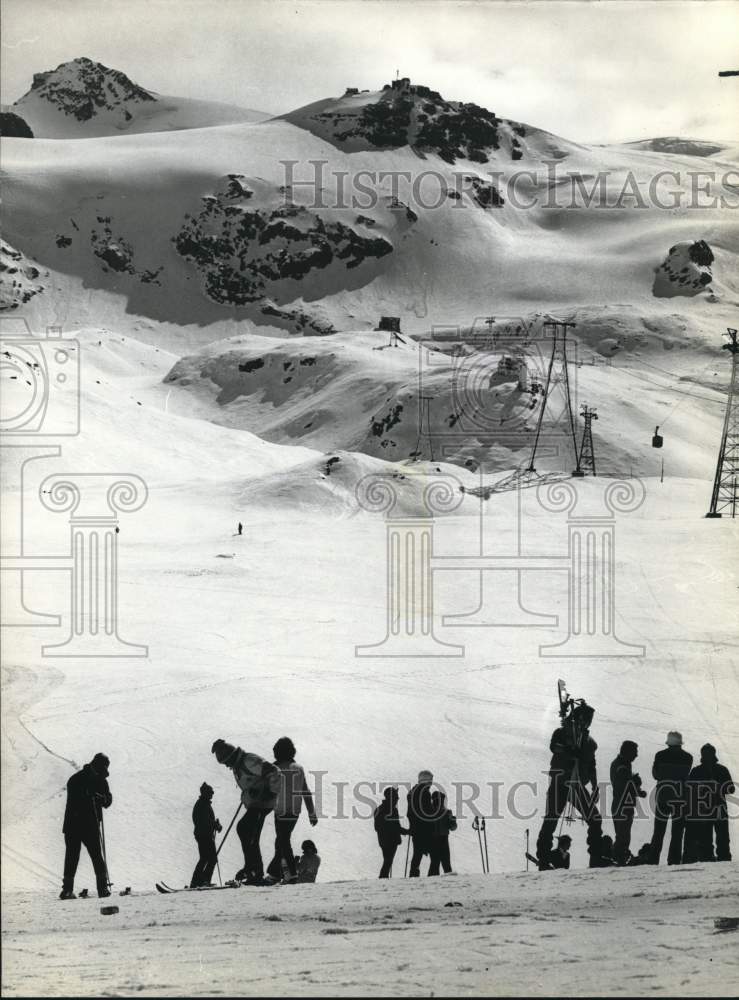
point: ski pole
(238, 810)
(407, 852)
(103, 852)
(218, 866)
(485, 838)
(476, 828)
(527, 848)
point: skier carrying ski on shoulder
(572, 770)
(88, 794)
(259, 782)
(205, 828)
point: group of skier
(692, 799)
(429, 824)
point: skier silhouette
(240, 528)
(205, 827)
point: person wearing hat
(259, 782)
(389, 829)
(205, 828)
(707, 786)
(422, 816)
(87, 795)
(572, 769)
(670, 770)
(626, 789)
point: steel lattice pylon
(559, 345)
(586, 459)
(725, 496)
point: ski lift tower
(558, 330)
(586, 461)
(725, 494)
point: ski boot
(67, 894)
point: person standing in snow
(626, 789)
(309, 862)
(388, 828)
(240, 528)
(572, 769)
(293, 791)
(87, 795)
(670, 770)
(259, 782)
(421, 818)
(707, 786)
(205, 828)
(444, 824)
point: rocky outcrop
(20, 279)
(246, 253)
(115, 253)
(12, 126)
(83, 88)
(685, 271)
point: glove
(641, 794)
(313, 820)
(218, 826)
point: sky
(586, 70)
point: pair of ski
(230, 884)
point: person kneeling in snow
(309, 862)
(205, 828)
(259, 782)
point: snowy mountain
(226, 299)
(83, 99)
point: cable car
(657, 439)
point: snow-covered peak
(83, 88)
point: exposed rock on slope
(245, 253)
(19, 278)
(685, 271)
(414, 115)
(13, 126)
(83, 88)
(82, 98)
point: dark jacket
(707, 786)
(565, 755)
(421, 812)
(625, 787)
(203, 819)
(559, 858)
(670, 770)
(445, 824)
(87, 795)
(387, 824)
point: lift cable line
(726, 482)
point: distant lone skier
(293, 792)
(444, 824)
(87, 795)
(421, 818)
(240, 528)
(707, 786)
(205, 828)
(259, 782)
(670, 770)
(572, 770)
(626, 789)
(389, 829)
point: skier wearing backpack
(388, 828)
(572, 770)
(443, 826)
(205, 828)
(259, 782)
(293, 791)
